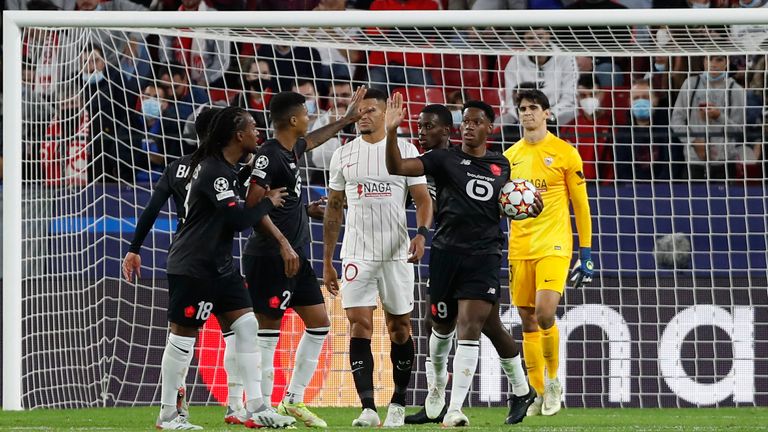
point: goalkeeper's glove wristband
(583, 269)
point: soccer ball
(516, 198)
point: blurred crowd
(116, 106)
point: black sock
(361, 362)
(402, 364)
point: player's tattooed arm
(331, 227)
(396, 164)
(353, 114)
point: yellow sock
(550, 349)
(534, 360)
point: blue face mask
(128, 68)
(457, 117)
(660, 67)
(151, 108)
(93, 77)
(311, 106)
(749, 4)
(641, 109)
(717, 77)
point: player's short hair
(487, 109)
(376, 94)
(534, 95)
(586, 81)
(282, 106)
(442, 112)
(203, 121)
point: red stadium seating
(415, 99)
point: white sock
(234, 382)
(439, 348)
(268, 339)
(246, 330)
(429, 371)
(513, 368)
(307, 355)
(464, 367)
(176, 359)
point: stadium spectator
(490, 4)
(307, 89)
(642, 149)
(206, 59)
(107, 98)
(709, 118)
(259, 87)
(757, 90)
(555, 75)
(340, 98)
(291, 64)
(590, 132)
(392, 69)
(184, 97)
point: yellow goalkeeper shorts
(528, 276)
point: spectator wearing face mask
(709, 118)
(590, 131)
(642, 149)
(184, 97)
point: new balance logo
(465, 162)
(491, 290)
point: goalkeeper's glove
(583, 269)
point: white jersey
(375, 228)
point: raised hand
(353, 114)
(395, 112)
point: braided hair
(225, 123)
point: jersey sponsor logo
(541, 184)
(189, 311)
(480, 190)
(434, 310)
(374, 190)
(465, 162)
(261, 162)
(182, 171)
(221, 196)
(220, 184)
(496, 170)
(548, 161)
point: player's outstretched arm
(424, 213)
(290, 258)
(331, 227)
(396, 164)
(353, 114)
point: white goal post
(579, 33)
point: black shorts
(454, 276)
(193, 300)
(272, 292)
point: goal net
(668, 116)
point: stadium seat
(415, 99)
(466, 72)
(222, 95)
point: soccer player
(464, 286)
(540, 248)
(435, 123)
(275, 262)
(376, 255)
(202, 278)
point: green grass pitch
(487, 419)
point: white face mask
(663, 37)
(311, 106)
(700, 5)
(457, 117)
(589, 105)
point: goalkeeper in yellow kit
(540, 248)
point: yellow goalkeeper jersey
(555, 168)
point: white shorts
(391, 280)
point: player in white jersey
(376, 255)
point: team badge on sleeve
(261, 162)
(221, 184)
